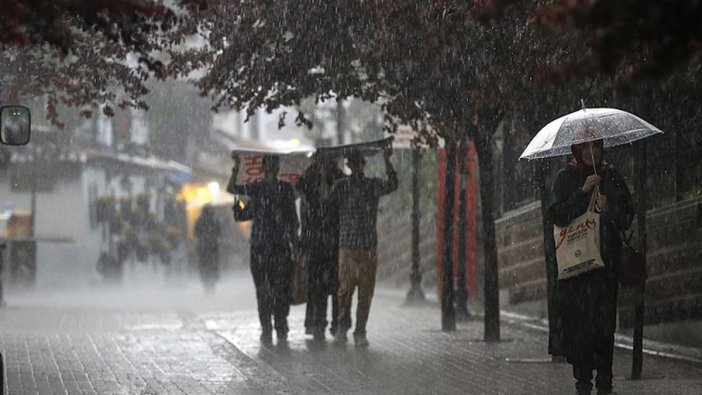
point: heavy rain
(350, 197)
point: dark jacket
(320, 219)
(320, 233)
(587, 303)
(207, 231)
(274, 215)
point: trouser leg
(311, 282)
(263, 290)
(334, 291)
(583, 379)
(604, 356)
(317, 294)
(321, 312)
(335, 313)
(281, 266)
(347, 283)
(603, 365)
(367, 266)
(308, 309)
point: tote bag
(578, 244)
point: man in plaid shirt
(356, 198)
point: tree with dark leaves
(441, 67)
(83, 53)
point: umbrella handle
(596, 191)
(594, 165)
(593, 198)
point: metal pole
(415, 294)
(641, 204)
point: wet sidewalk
(181, 342)
(408, 354)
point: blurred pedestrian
(356, 197)
(273, 239)
(207, 232)
(320, 243)
(588, 302)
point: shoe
(360, 341)
(340, 338)
(282, 336)
(309, 330)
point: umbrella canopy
(613, 126)
(294, 160)
(366, 149)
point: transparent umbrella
(613, 126)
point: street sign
(404, 136)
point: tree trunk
(487, 123)
(448, 310)
(415, 294)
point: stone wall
(674, 261)
(395, 246)
(520, 254)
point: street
(177, 340)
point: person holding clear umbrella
(588, 302)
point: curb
(651, 347)
(624, 342)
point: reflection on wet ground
(179, 340)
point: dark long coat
(207, 231)
(588, 303)
(320, 231)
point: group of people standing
(337, 240)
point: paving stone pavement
(410, 355)
(86, 352)
(198, 345)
